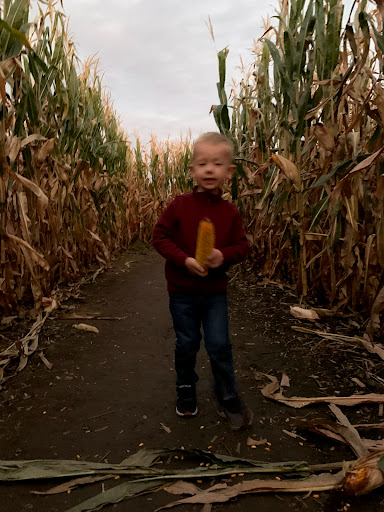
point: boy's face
(211, 166)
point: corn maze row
(307, 123)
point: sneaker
(238, 416)
(186, 401)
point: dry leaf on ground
(270, 391)
(181, 487)
(45, 360)
(304, 314)
(372, 348)
(285, 382)
(167, 429)
(222, 494)
(253, 442)
(72, 484)
(86, 327)
(338, 433)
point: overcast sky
(158, 58)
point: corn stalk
(307, 121)
(72, 189)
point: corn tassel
(205, 241)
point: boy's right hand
(195, 268)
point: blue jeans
(189, 313)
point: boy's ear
(231, 171)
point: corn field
(72, 189)
(307, 121)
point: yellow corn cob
(205, 241)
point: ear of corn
(205, 241)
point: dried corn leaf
(73, 484)
(181, 487)
(372, 348)
(324, 137)
(351, 435)
(42, 199)
(45, 149)
(45, 360)
(164, 427)
(29, 251)
(34, 137)
(304, 314)
(322, 482)
(12, 148)
(288, 168)
(86, 327)
(49, 304)
(285, 381)
(270, 391)
(377, 309)
(253, 442)
(337, 432)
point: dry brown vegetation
(307, 123)
(72, 189)
(307, 120)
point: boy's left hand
(215, 259)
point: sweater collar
(206, 196)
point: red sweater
(175, 234)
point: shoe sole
(188, 414)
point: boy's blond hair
(214, 138)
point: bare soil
(108, 393)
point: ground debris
(270, 391)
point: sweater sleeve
(238, 246)
(163, 236)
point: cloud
(158, 59)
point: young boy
(197, 294)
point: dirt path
(109, 392)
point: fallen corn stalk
(222, 493)
(270, 391)
(357, 341)
(337, 432)
(362, 477)
(139, 465)
(147, 479)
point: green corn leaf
(116, 495)
(333, 28)
(379, 37)
(287, 85)
(16, 20)
(363, 22)
(318, 212)
(351, 38)
(16, 34)
(33, 112)
(220, 113)
(222, 57)
(290, 57)
(338, 168)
